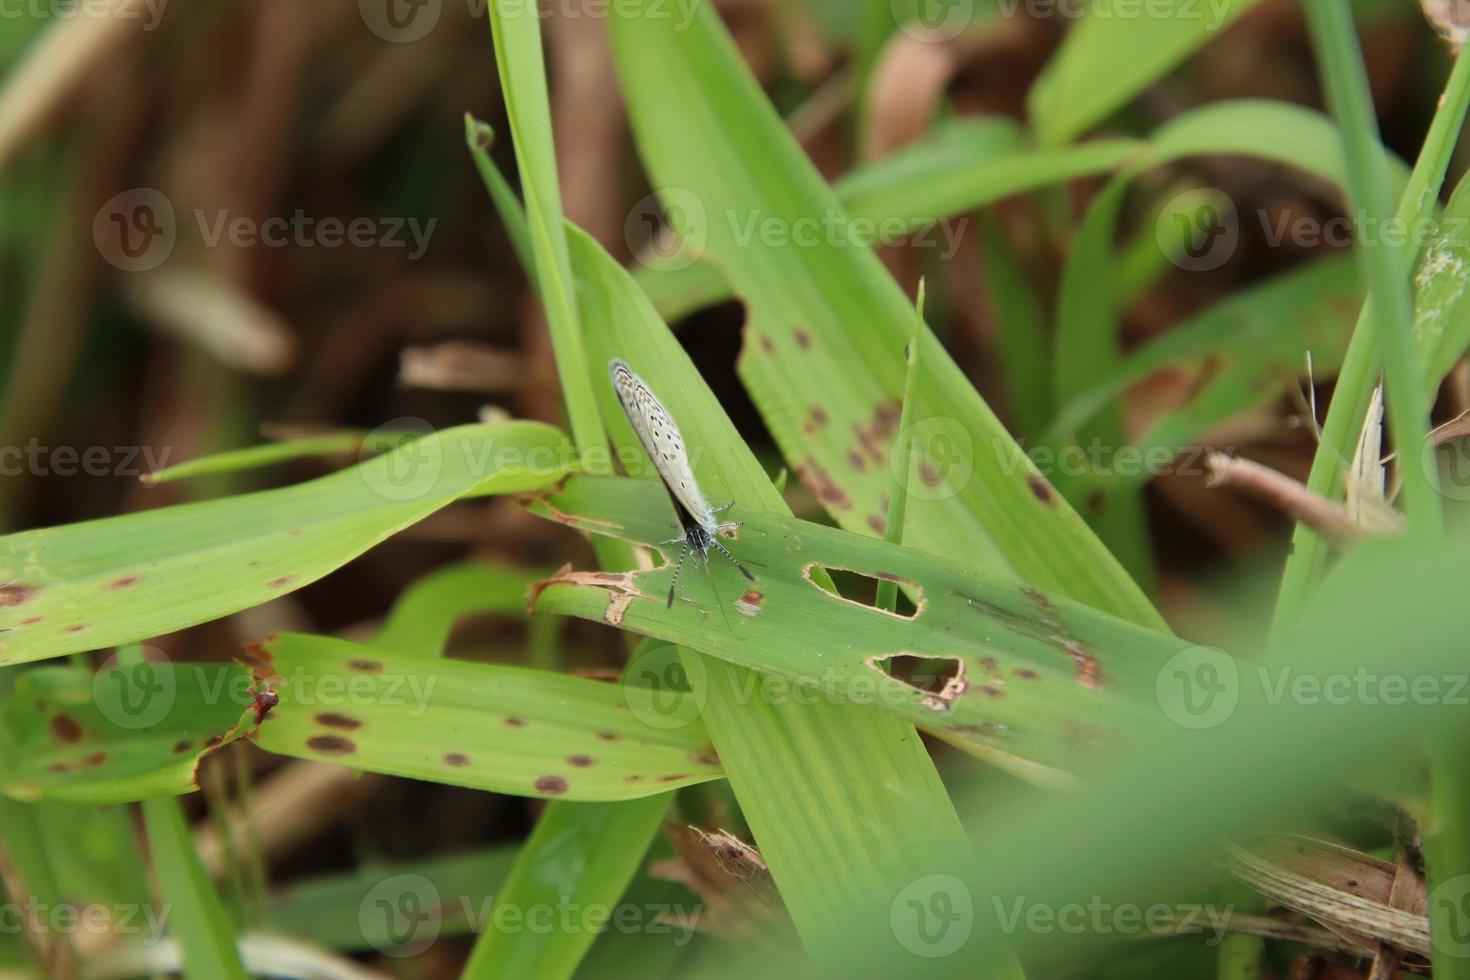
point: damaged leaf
(1027, 674)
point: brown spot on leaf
(878, 523)
(332, 719)
(331, 744)
(366, 666)
(928, 475)
(16, 593)
(30, 620)
(551, 785)
(749, 604)
(580, 761)
(181, 747)
(1040, 489)
(994, 693)
(609, 736)
(1096, 501)
(456, 759)
(284, 580)
(1026, 673)
(767, 346)
(124, 582)
(296, 532)
(1040, 599)
(635, 778)
(77, 627)
(706, 757)
(989, 665)
(856, 461)
(1089, 671)
(66, 728)
(885, 417)
(820, 483)
(673, 777)
(803, 339)
(515, 722)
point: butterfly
(665, 447)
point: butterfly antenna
(733, 560)
(674, 584)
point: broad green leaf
(491, 727)
(1015, 670)
(100, 583)
(129, 731)
(823, 358)
(828, 790)
(1117, 50)
(198, 921)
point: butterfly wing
(661, 440)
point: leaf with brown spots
(127, 732)
(1018, 660)
(485, 726)
(102, 583)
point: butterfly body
(656, 430)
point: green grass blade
(100, 583)
(594, 850)
(903, 468)
(490, 727)
(1117, 51)
(197, 920)
(828, 326)
(479, 137)
(270, 454)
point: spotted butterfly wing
(662, 441)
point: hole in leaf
(862, 588)
(940, 679)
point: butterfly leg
(674, 583)
(722, 508)
(733, 560)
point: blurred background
(237, 221)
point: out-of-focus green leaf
(101, 583)
(197, 921)
(421, 619)
(1117, 50)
